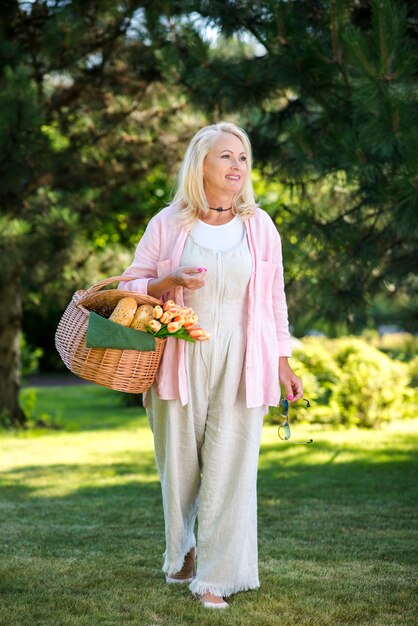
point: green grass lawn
(82, 536)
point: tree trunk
(10, 332)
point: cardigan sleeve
(144, 264)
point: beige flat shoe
(187, 572)
(212, 605)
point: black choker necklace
(220, 209)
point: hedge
(351, 382)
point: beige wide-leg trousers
(207, 451)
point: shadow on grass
(317, 522)
(123, 518)
(345, 502)
(362, 509)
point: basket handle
(105, 282)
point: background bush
(351, 382)
(30, 357)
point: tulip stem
(180, 334)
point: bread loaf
(143, 317)
(124, 311)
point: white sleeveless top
(218, 238)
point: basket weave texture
(131, 371)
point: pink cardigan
(159, 252)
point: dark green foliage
(94, 121)
(352, 383)
(329, 92)
(87, 127)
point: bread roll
(124, 311)
(143, 317)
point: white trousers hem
(199, 587)
(172, 567)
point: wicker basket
(131, 371)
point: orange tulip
(173, 327)
(166, 317)
(167, 305)
(192, 318)
(157, 312)
(190, 322)
(195, 333)
(179, 319)
(155, 325)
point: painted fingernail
(290, 397)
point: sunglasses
(284, 428)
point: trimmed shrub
(371, 388)
(399, 346)
(413, 372)
(351, 383)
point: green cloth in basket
(103, 333)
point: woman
(214, 250)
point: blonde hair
(190, 197)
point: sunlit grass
(82, 526)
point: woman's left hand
(291, 383)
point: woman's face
(225, 166)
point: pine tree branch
(91, 139)
(251, 28)
(29, 29)
(336, 49)
(281, 26)
(382, 39)
(347, 213)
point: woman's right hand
(189, 277)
